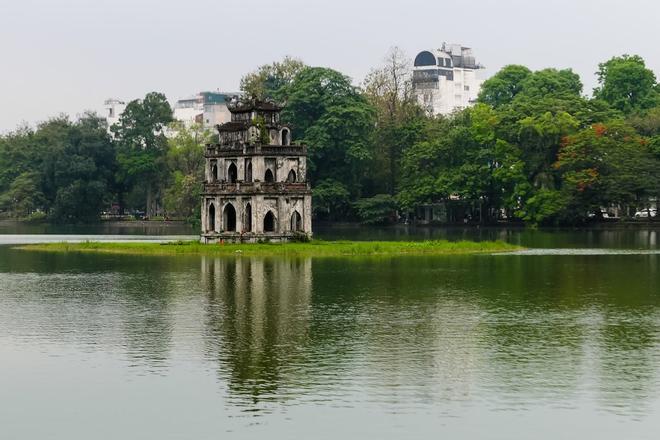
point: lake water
(562, 341)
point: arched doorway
(229, 218)
(248, 172)
(214, 173)
(296, 221)
(269, 222)
(247, 222)
(291, 178)
(285, 137)
(269, 177)
(211, 219)
(232, 173)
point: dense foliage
(533, 149)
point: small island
(316, 248)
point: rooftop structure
(446, 80)
(255, 187)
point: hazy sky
(70, 55)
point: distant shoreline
(623, 224)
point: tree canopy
(532, 149)
(627, 84)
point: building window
(248, 171)
(214, 172)
(211, 219)
(247, 222)
(269, 222)
(229, 218)
(466, 88)
(232, 173)
(291, 178)
(285, 137)
(296, 222)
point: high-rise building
(446, 80)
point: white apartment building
(205, 108)
(113, 109)
(446, 80)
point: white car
(644, 213)
(604, 214)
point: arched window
(232, 173)
(248, 172)
(211, 219)
(296, 221)
(229, 218)
(269, 222)
(214, 173)
(291, 178)
(425, 58)
(247, 221)
(269, 177)
(286, 138)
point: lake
(562, 341)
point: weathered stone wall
(283, 208)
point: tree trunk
(149, 200)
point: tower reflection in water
(257, 323)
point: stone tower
(256, 186)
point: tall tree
(551, 82)
(331, 116)
(185, 161)
(271, 81)
(81, 172)
(627, 84)
(606, 164)
(142, 147)
(455, 164)
(502, 87)
(399, 119)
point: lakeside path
(311, 249)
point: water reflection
(257, 323)
(621, 237)
(445, 337)
(418, 332)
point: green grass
(311, 249)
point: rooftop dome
(425, 58)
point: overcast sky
(70, 55)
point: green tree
(336, 121)
(331, 200)
(604, 165)
(455, 164)
(79, 170)
(271, 81)
(142, 146)
(61, 168)
(185, 161)
(627, 84)
(24, 196)
(379, 209)
(502, 87)
(399, 120)
(551, 82)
